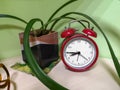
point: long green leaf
(51, 84)
(61, 7)
(12, 17)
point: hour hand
(78, 53)
(70, 52)
(73, 53)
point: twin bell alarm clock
(79, 52)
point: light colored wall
(105, 12)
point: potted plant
(44, 30)
(44, 47)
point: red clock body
(79, 52)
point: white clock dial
(79, 52)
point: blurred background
(105, 12)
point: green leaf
(56, 20)
(51, 84)
(61, 7)
(23, 68)
(12, 17)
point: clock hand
(83, 56)
(75, 53)
(70, 52)
(79, 53)
(78, 57)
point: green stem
(61, 7)
(51, 84)
(12, 17)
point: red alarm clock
(79, 52)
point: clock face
(80, 53)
